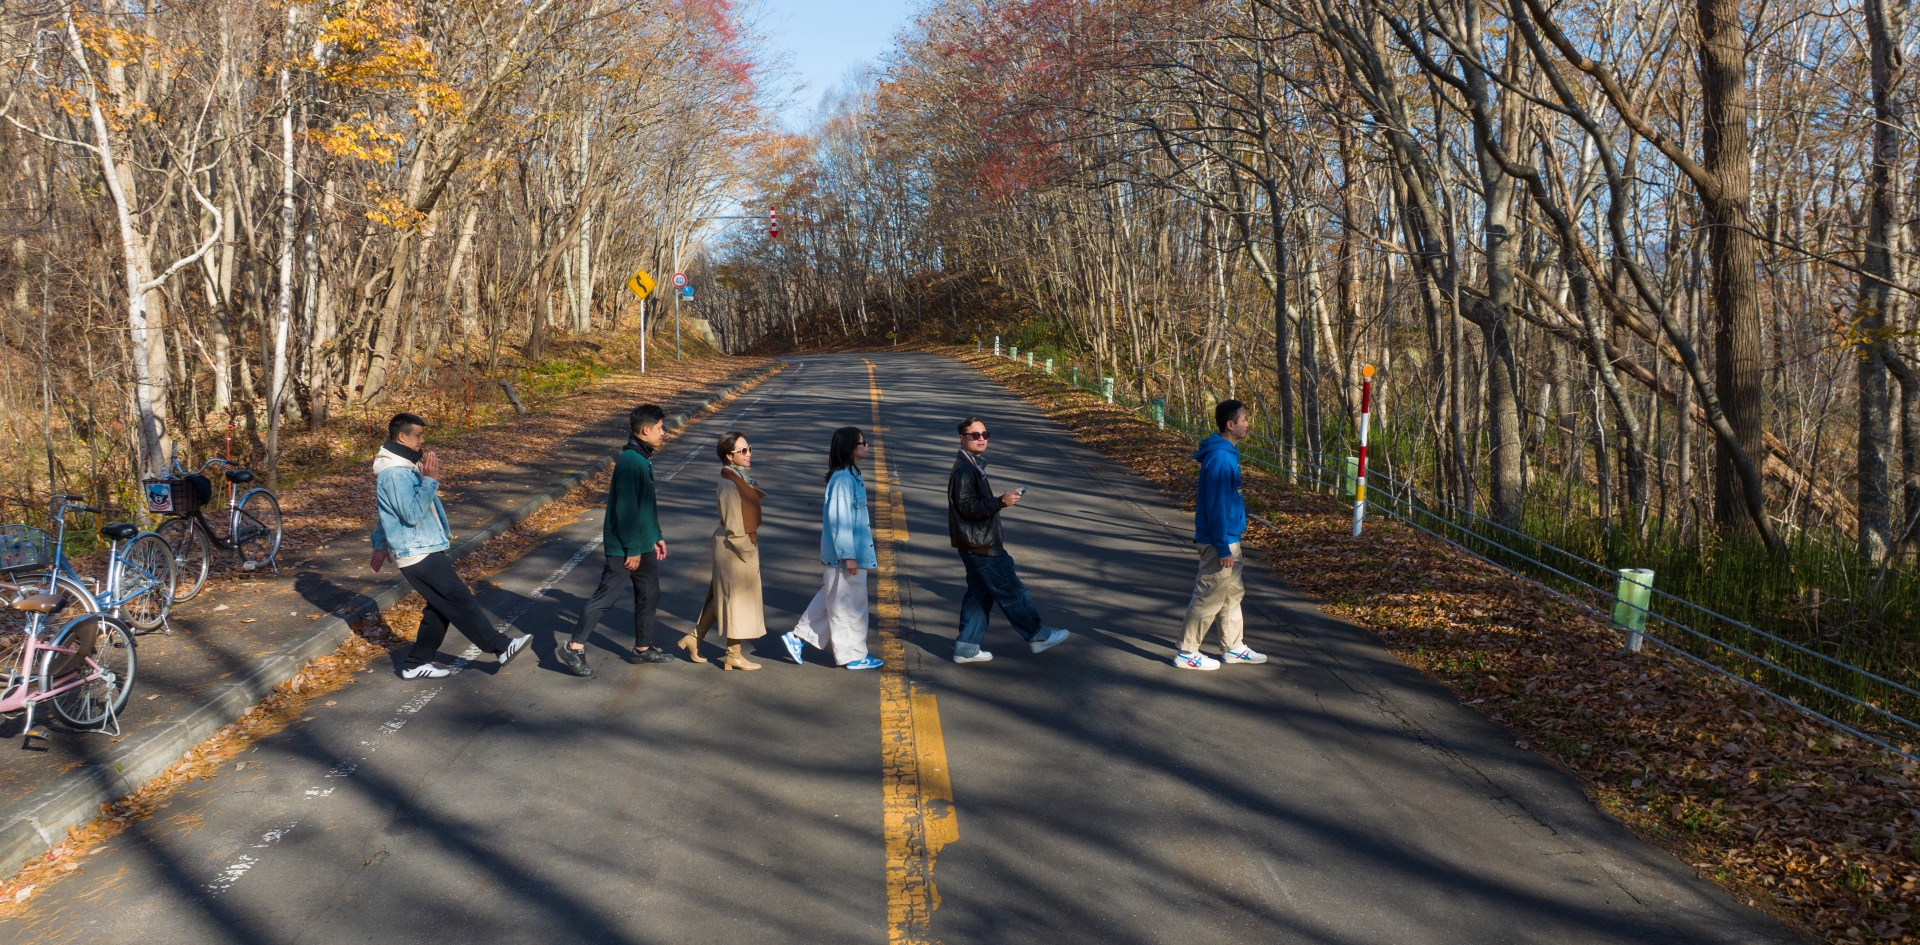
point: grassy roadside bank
(1814, 828)
(478, 453)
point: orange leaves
(363, 139)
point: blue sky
(824, 38)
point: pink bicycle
(84, 667)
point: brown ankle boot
(691, 644)
(736, 659)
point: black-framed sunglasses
(982, 435)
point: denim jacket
(846, 530)
(411, 519)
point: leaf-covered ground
(1815, 828)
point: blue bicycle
(140, 572)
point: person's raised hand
(1010, 498)
(430, 465)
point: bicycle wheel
(147, 581)
(192, 556)
(258, 534)
(13, 645)
(109, 642)
(14, 623)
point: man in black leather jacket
(973, 526)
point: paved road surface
(1097, 794)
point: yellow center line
(916, 789)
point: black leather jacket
(973, 511)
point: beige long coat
(733, 598)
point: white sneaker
(979, 657)
(1242, 655)
(1195, 661)
(426, 671)
(513, 649)
(1053, 638)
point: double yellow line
(917, 791)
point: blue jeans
(992, 580)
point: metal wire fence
(1846, 697)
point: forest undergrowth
(1815, 828)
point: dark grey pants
(449, 601)
(645, 581)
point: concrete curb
(35, 823)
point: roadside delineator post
(1106, 388)
(996, 346)
(1074, 372)
(1360, 474)
(1049, 367)
(1029, 357)
(1014, 352)
(1631, 598)
(976, 345)
(1160, 412)
(1352, 477)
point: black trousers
(449, 601)
(645, 580)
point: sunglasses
(744, 449)
(977, 436)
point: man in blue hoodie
(1219, 519)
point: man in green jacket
(634, 545)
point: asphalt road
(1097, 793)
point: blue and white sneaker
(979, 657)
(795, 647)
(1054, 638)
(1195, 661)
(866, 663)
(1242, 655)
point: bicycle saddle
(38, 603)
(120, 532)
(240, 475)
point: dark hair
(1227, 412)
(727, 443)
(402, 422)
(644, 416)
(840, 451)
(970, 421)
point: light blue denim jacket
(411, 519)
(846, 530)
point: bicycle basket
(172, 496)
(24, 548)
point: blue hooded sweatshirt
(1219, 515)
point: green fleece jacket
(633, 519)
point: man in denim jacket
(412, 530)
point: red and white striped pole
(1366, 414)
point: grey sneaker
(1054, 638)
(979, 657)
(426, 671)
(513, 649)
(1244, 654)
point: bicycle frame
(26, 695)
(109, 599)
(199, 518)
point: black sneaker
(574, 660)
(652, 654)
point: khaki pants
(1216, 593)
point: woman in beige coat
(733, 598)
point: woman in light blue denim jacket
(838, 614)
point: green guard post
(1632, 597)
(1160, 412)
(1350, 481)
(1013, 351)
(1029, 357)
(1049, 367)
(1106, 388)
(1074, 373)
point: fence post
(996, 346)
(1631, 598)
(976, 345)
(1106, 388)
(1160, 412)
(1029, 357)
(1351, 479)
(1360, 473)
(1013, 352)
(1074, 373)
(1049, 367)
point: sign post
(1360, 475)
(679, 282)
(642, 285)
